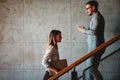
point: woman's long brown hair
(51, 39)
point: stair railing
(83, 76)
(80, 60)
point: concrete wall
(24, 28)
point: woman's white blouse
(51, 54)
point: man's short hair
(93, 3)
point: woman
(51, 53)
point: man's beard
(89, 14)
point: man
(95, 34)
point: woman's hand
(56, 71)
(53, 69)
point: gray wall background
(24, 28)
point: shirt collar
(95, 14)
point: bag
(59, 64)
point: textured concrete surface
(24, 28)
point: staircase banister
(80, 60)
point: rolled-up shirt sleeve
(93, 27)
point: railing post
(74, 74)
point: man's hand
(80, 28)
